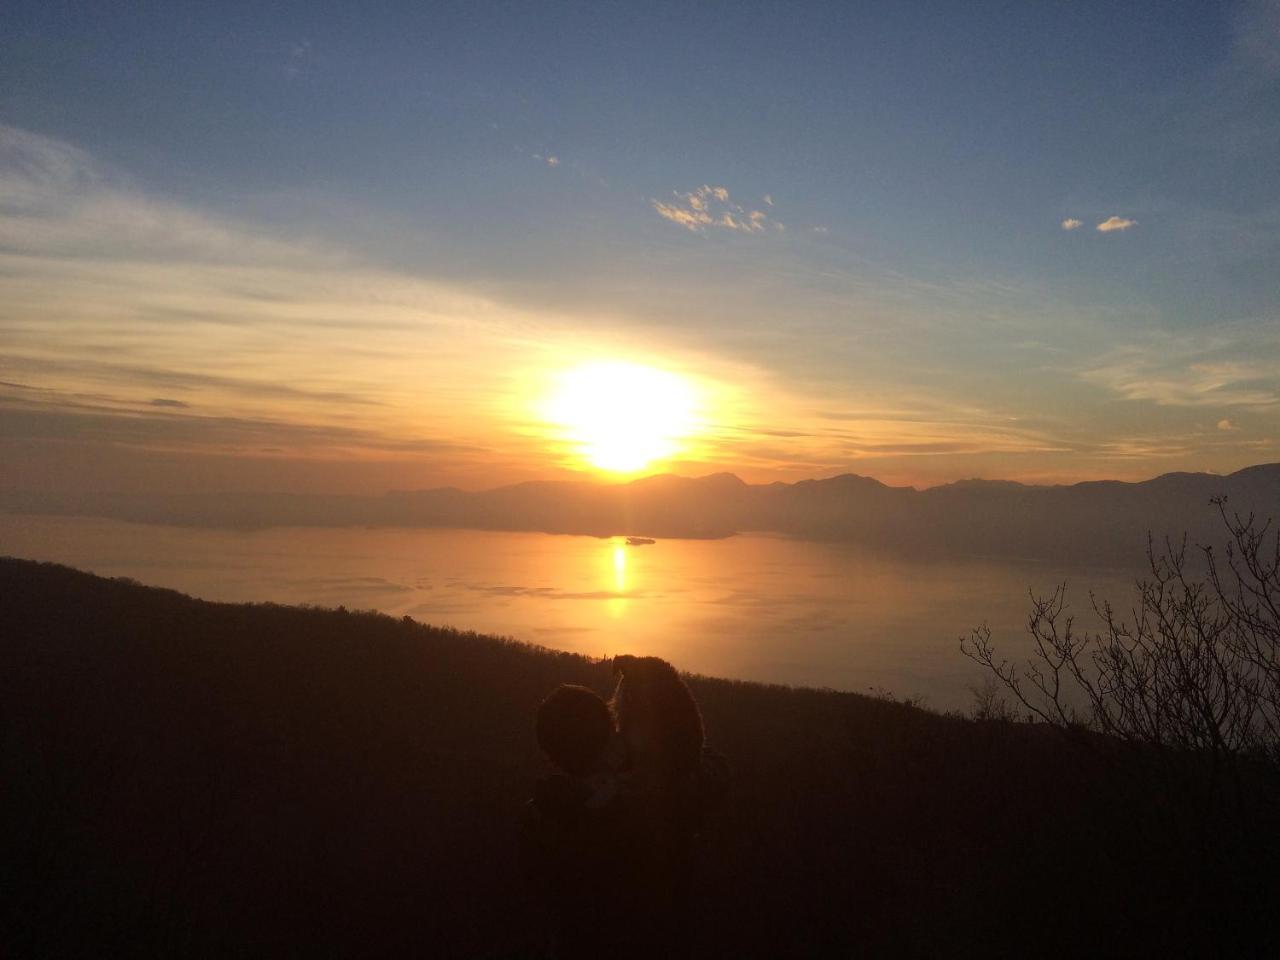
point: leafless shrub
(1194, 668)
(990, 704)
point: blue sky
(847, 219)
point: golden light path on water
(618, 603)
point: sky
(360, 247)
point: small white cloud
(768, 199)
(1227, 425)
(553, 161)
(710, 206)
(1071, 223)
(692, 219)
(1115, 223)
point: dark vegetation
(1095, 522)
(183, 778)
(1193, 668)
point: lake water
(752, 607)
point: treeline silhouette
(184, 778)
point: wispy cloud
(1112, 224)
(119, 374)
(925, 430)
(1142, 448)
(56, 202)
(65, 421)
(1071, 223)
(711, 207)
(35, 169)
(149, 311)
(1193, 372)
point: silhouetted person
(671, 780)
(579, 845)
(575, 729)
(609, 843)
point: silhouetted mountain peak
(843, 481)
(724, 480)
(1260, 471)
(1181, 476)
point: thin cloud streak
(170, 430)
(1193, 372)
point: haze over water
(751, 607)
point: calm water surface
(754, 607)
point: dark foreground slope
(185, 778)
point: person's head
(574, 726)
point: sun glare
(622, 416)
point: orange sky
(150, 344)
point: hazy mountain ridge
(1094, 520)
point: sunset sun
(620, 416)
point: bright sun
(622, 416)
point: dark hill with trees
(183, 778)
(1096, 522)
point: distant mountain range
(1099, 521)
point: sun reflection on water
(618, 602)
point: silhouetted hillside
(1104, 521)
(184, 778)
